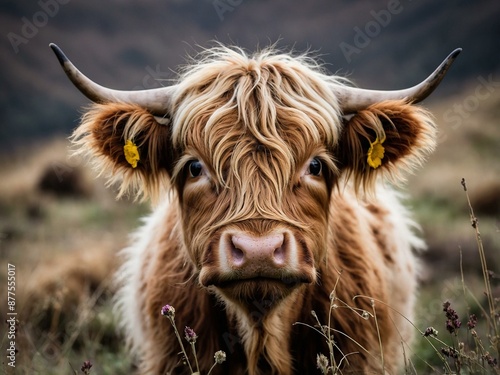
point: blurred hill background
(130, 44)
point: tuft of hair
(102, 135)
(225, 90)
(410, 136)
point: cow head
(252, 148)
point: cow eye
(195, 168)
(315, 167)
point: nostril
(237, 255)
(279, 255)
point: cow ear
(387, 138)
(128, 144)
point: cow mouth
(259, 295)
(264, 290)
(211, 277)
(285, 281)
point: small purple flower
(87, 365)
(490, 360)
(430, 331)
(190, 335)
(168, 311)
(472, 322)
(453, 322)
(449, 352)
(449, 326)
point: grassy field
(48, 229)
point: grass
(45, 235)
(91, 337)
(473, 345)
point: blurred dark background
(129, 44)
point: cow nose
(248, 250)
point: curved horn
(354, 99)
(157, 101)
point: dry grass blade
(484, 267)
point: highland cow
(273, 214)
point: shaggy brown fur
(255, 124)
(106, 128)
(408, 141)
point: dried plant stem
(330, 339)
(193, 347)
(482, 257)
(438, 353)
(172, 321)
(211, 368)
(372, 303)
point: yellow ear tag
(131, 153)
(376, 153)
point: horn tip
(455, 52)
(59, 53)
